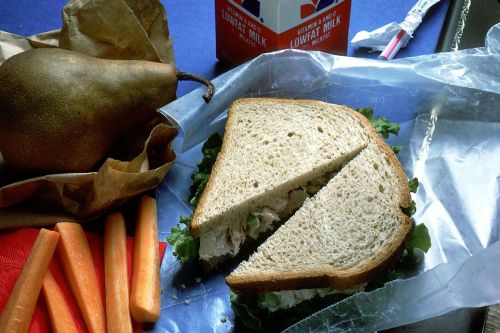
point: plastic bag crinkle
(448, 107)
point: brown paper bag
(82, 196)
(117, 29)
(113, 29)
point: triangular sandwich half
(342, 238)
(275, 154)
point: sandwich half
(342, 238)
(275, 154)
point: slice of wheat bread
(346, 235)
(270, 147)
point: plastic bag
(448, 107)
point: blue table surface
(192, 27)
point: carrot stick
(115, 272)
(59, 313)
(74, 252)
(16, 316)
(145, 295)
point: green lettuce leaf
(413, 184)
(184, 244)
(253, 222)
(245, 308)
(210, 150)
(200, 187)
(419, 238)
(411, 209)
(385, 127)
(408, 261)
(252, 310)
(381, 124)
(396, 149)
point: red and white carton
(247, 28)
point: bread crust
(405, 199)
(338, 279)
(195, 224)
(349, 278)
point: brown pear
(62, 111)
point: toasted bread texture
(346, 235)
(270, 147)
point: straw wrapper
(380, 38)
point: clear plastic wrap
(448, 107)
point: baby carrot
(59, 313)
(74, 252)
(145, 294)
(115, 272)
(16, 316)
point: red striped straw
(394, 45)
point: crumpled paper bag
(47, 199)
(117, 29)
(112, 29)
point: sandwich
(315, 179)
(275, 154)
(354, 233)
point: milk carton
(247, 28)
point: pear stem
(183, 76)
